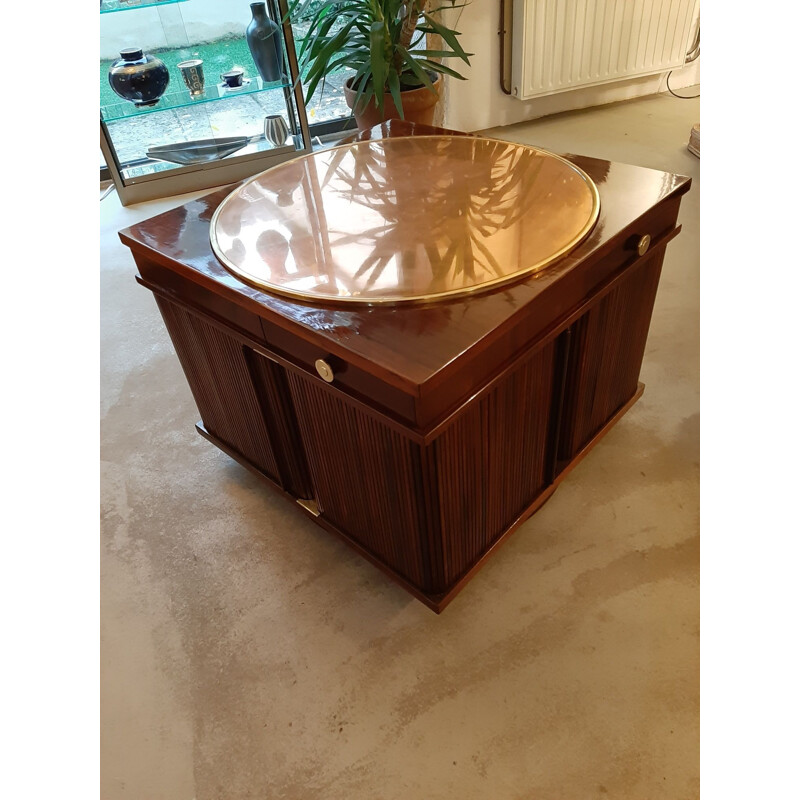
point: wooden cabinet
(443, 426)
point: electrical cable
(108, 191)
(680, 96)
(692, 55)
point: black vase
(264, 40)
(138, 77)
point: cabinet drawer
(550, 312)
(625, 252)
(352, 380)
(192, 294)
(256, 330)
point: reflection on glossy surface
(404, 219)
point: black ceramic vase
(264, 40)
(138, 77)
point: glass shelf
(110, 6)
(182, 99)
(214, 33)
(152, 166)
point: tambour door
(604, 356)
(241, 395)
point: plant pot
(418, 106)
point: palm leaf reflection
(473, 188)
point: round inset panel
(407, 219)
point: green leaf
(435, 66)
(415, 68)
(394, 88)
(448, 35)
(323, 46)
(360, 82)
(435, 53)
(319, 67)
(344, 61)
(448, 7)
(378, 60)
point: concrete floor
(248, 654)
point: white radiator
(559, 45)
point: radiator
(559, 45)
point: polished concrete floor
(248, 654)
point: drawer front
(545, 316)
(641, 237)
(346, 377)
(356, 382)
(192, 294)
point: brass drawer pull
(324, 370)
(644, 244)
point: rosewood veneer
(422, 434)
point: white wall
(479, 102)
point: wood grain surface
(446, 425)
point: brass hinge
(309, 505)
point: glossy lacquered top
(404, 219)
(420, 344)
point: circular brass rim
(450, 294)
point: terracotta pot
(418, 106)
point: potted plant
(383, 42)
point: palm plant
(380, 40)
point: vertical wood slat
(272, 389)
(491, 463)
(366, 478)
(606, 351)
(429, 513)
(218, 375)
(561, 360)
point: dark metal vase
(264, 40)
(138, 77)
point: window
(174, 31)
